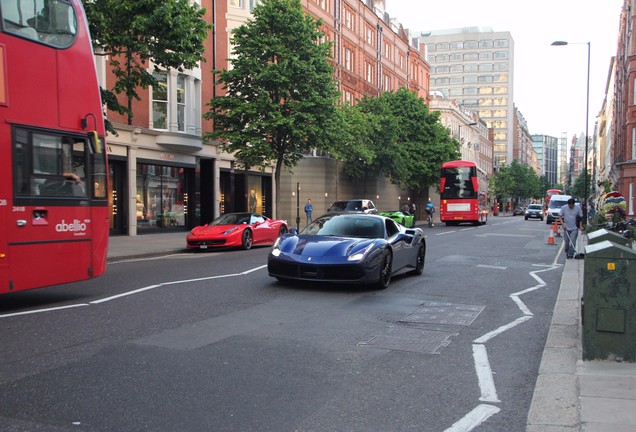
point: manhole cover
(410, 339)
(432, 312)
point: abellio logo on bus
(77, 226)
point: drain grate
(410, 339)
(432, 312)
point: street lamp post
(587, 119)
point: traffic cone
(555, 228)
(551, 237)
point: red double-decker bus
(551, 192)
(460, 197)
(53, 165)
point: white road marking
(43, 310)
(485, 338)
(491, 266)
(133, 292)
(504, 235)
(446, 232)
(484, 374)
(474, 418)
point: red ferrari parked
(236, 230)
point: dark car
(534, 211)
(518, 211)
(352, 248)
(236, 230)
(354, 205)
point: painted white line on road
(447, 232)
(466, 229)
(43, 310)
(254, 269)
(137, 291)
(484, 374)
(504, 235)
(491, 266)
(129, 293)
(474, 418)
(485, 338)
(521, 305)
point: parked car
(351, 248)
(534, 211)
(405, 219)
(354, 205)
(236, 230)
(518, 211)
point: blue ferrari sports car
(354, 248)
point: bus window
(52, 22)
(48, 165)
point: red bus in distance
(549, 193)
(53, 178)
(460, 197)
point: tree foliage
(406, 143)
(280, 92)
(517, 181)
(171, 33)
(578, 188)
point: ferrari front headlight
(276, 247)
(359, 255)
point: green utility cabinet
(603, 234)
(609, 302)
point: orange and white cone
(551, 237)
(555, 228)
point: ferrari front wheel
(246, 241)
(385, 271)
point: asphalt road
(208, 342)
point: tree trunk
(279, 167)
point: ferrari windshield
(346, 226)
(232, 219)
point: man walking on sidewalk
(571, 218)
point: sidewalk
(570, 394)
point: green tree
(408, 144)
(171, 33)
(578, 188)
(280, 96)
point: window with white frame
(387, 50)
(387, 83)
(160, 101)
(348, 19)
(369, 35)
(348, 59)
(401, 62)
(181, 102)
(253, 4)
(369, 71)
(633, 143)
(347, 96)
(634, 91)
(236, 3)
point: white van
(554, 206)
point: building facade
(164, 177)
(475, 65)
(622, 125)
(547, 147)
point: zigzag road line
(488, 391)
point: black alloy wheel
(385, 271)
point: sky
(550, 81)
